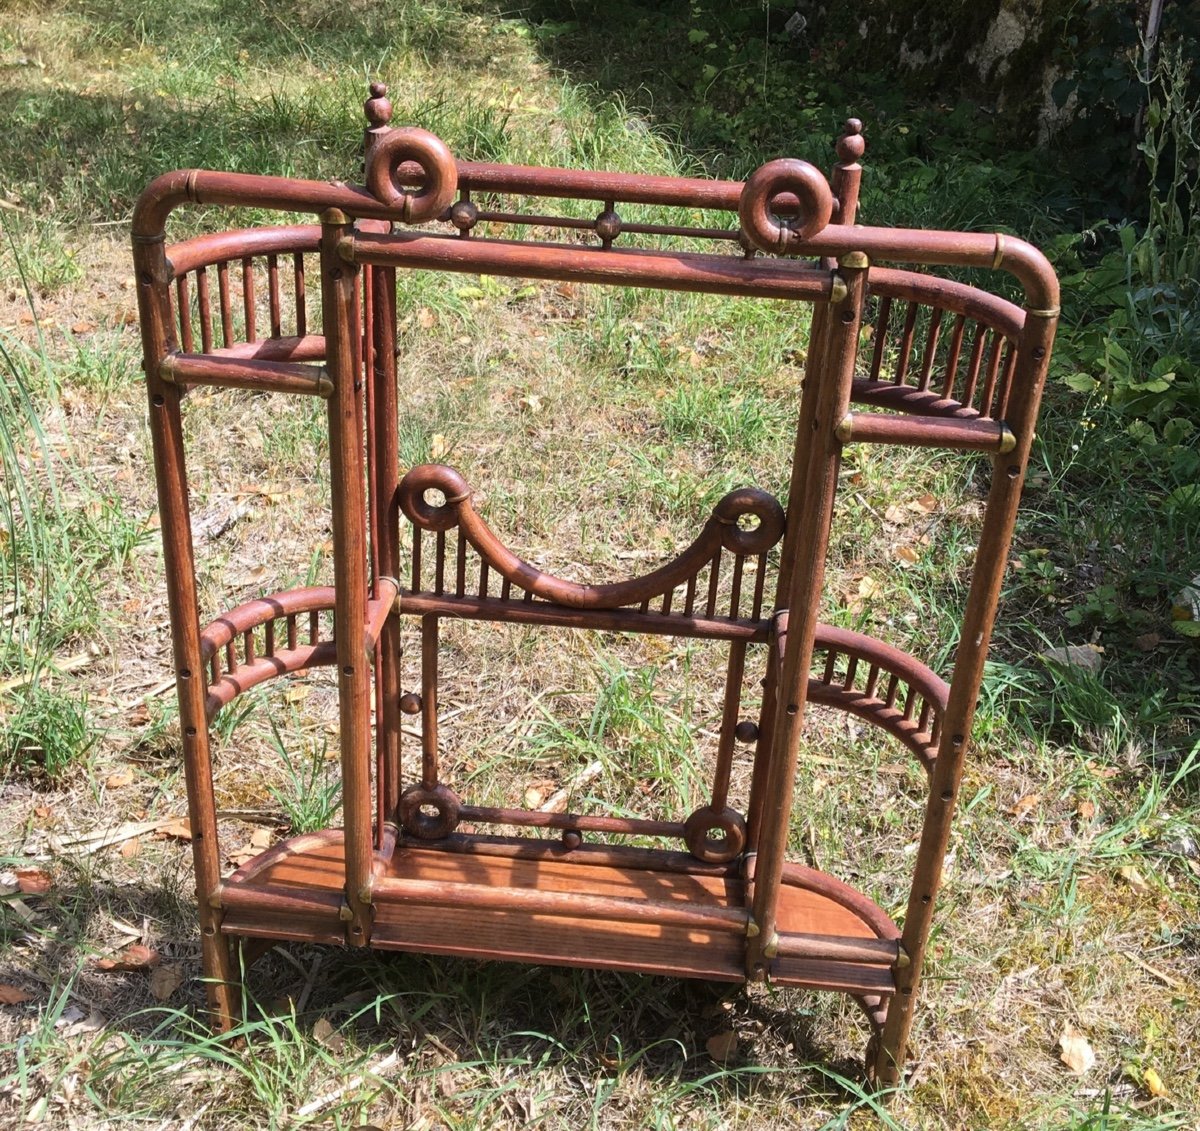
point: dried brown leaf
(133, 959)
(325, 1034)
(119, 780)
(1075, 1051)
(261, 838)
(34, 881)
(179, 829)
(1027, 803)
(130, 848)
(164, 981)
(11, 995)
(722, 1046)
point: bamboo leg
(223, 988)
(1003, 497)
(827, 396)
(340, 302)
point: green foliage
(312, 791)
(47, 734)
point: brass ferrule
(855, 259)
(334, 216)
(998, 258)
(345, 249)
(751, 928)
(902, 959)
(844, 430)
(345, 914)
(837, 288)
(1049, 312)
(216, 897)
(1008, 441)
(771, 947)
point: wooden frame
(951, 366)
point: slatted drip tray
(641, 910)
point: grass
(598, 427)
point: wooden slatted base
(432, 898)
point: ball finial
(851, 145)
(377, 108)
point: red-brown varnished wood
(709, 891)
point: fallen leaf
(296, 693)
(1086, 656)
(533, 797)
(1086, 810)
(895, 514)
(119, 780)
(1154, 1084)
(1076, 1053)
(10, 995)
(82, 327)
(1025, 804)
(33, 881)
(926, 504)
(41, 812)
(1148, 641)
(325, 1034)
(261, 838)
(130, 848)
(426, 318)
(133, 959)
(530, 403)
(243, 855)
(868, 587)
(438, 446)
(179, 829)
(1134, 879)
(908, 554)
(92, 1023)
(165, 981)
(722, 1046)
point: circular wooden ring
(432, 477)
(767, 182)
(437, 164)
(750, 501)
(429, 826)
(698, 835)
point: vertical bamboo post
(810, 510)
(343, 359)
(166, 429)
(387, 472)
(1033, 351)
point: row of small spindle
(931, 349)
(705, 593)
(242, 312)
(889, 688)
(264, 641)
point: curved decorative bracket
(724, 529)
(436, 161)
(770, 180)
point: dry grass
(647, 409)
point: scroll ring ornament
(437, 164)
(749, 502)
(433, 477)
(715, 836)
(414, 803)
(787, 174)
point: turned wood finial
(851, 145)
(377, 108)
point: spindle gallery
(310, 310)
